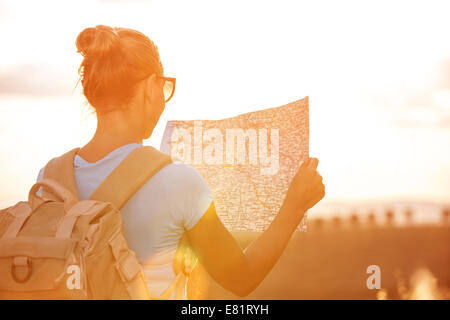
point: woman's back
(156, 216)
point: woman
(122, 78)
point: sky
(377, 75)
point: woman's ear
(149, 87)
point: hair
(115, 60)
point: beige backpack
(57, 247)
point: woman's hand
(306, 189)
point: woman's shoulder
(181, 182)
(186, 191)
(180, 167)
(180, 173)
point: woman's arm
(242, 271)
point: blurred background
(378, 79)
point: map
(248, 161)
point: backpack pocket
(114, 271)
(33, 263)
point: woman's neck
(111, 134)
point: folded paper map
(248, 161)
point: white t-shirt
(154, 218)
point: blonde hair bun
(97, 42)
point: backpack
(57, 247)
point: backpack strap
(131, 174)
(118, 187)
(61, 170)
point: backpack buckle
(21, 262)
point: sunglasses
(168, 88)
